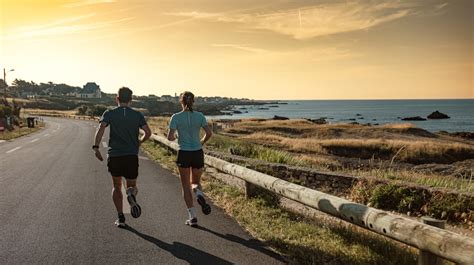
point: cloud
(88, 2)
(63, 26)
(320, 20)
(242, 47)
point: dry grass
(18, 132)
(43, 112)
(301, 240)
(413, 151)
(324, 154)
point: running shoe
(192, 222)
(120, 222)
(206, 208)
(135, 209)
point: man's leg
(132, 187)
(132, 191)
(117, 194)
(117, 197)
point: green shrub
(5, 111)
(401, 199)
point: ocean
(370, 111)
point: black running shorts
(123, 166)
(194, 159)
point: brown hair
(187, 99)
(125, 95)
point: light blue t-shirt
(188, 124)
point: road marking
(46, 135)
(126, 206)
(34, 140)
(104, 144)
(143, 158)
(13, 150)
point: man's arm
(147, 134)
(98, 138)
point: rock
(443, 215)
(358, 114)
(280, 118)
(463, 215)
(465, 135)
(317, 121)
(416, 118)
(354, 123)
(438, 115)
(237, 112)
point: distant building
(89, 90)
(166, 98)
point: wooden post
(250, 190)
(426, 258)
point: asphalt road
(56, 208)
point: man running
(123, 150)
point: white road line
(126, 206)
(104, 144)
(34, 140)
(13, 150)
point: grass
(301, 240)
(311, 153)
(18, 132)
(410, 151)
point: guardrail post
(426, 258)
(250, 190)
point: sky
(287, 49)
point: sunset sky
(289, 49)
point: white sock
(192, 212)
(132, 190)
(198, 192)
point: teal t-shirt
(188, 124)
(125, 124)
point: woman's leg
(184, 174)
(196, 178)
(196, 186)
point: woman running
(190, 160)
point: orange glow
(253, 49)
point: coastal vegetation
(300, 239)
(401, 155)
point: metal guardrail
(427, 238)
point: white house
(89, 90)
